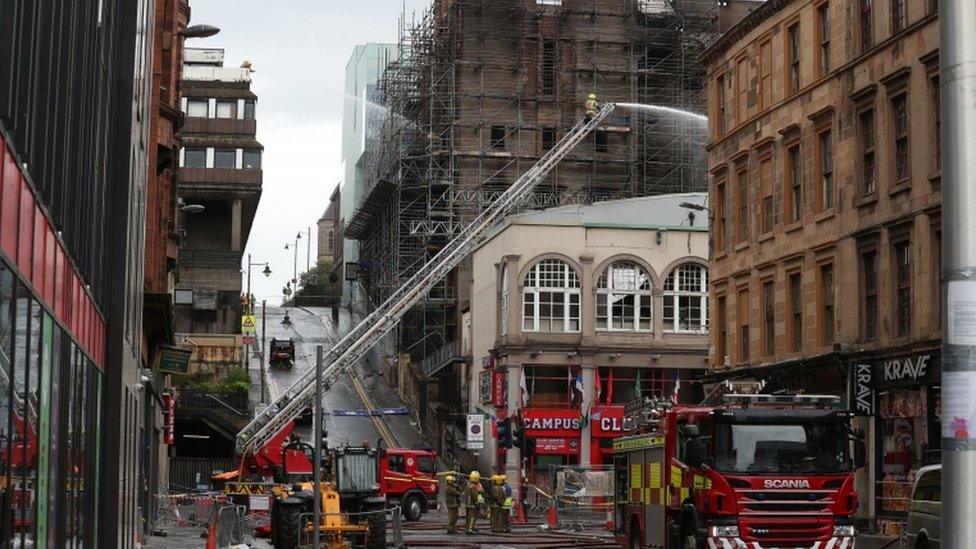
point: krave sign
(910, 368)
(863, 389)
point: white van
(924, 527)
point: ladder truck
(260, 442)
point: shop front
(907, 401)
(606, 424)
(557, 440)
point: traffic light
(504, 432)
(518, 437)
(528, 450)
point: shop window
(623, 299)
(197, 108)
(225, 158)
(686, 299)
(905, 445)
(551, 298)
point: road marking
(381, 426)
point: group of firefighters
(498, 500)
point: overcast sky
(298, 50)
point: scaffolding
(481, 89)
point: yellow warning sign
(247, 324)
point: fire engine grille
(813, 502)
(778, 533)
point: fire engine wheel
(289, 528)
(413, 508)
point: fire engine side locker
(643, 459)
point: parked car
(924, 527)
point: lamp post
(294, 280)
(249, 306)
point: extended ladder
(361, 338)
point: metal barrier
(181, 510)
(583, 497)
(231, 525)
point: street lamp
(267, 273)
(199, 31)
(294, 280)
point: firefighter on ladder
(591, 106)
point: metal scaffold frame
(482, 89)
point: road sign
(247, 324)
(248, 339)
(476, 431)
(172, 359)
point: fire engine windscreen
(425, 464)
(757, 448)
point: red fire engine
(755, 471)
(407, 477)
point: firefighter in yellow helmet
(452, 496)
(507, 504)
(591, 106)
(473, 499)
(497, 499)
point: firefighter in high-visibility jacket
(452, 496)
(591, 106)
(507, 506)
(473, 499)
(497, 499)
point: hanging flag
(637, 388)
(597, 387)
(677, 386)
(577, 389)
(523, 389)
(579, 382)
(584, 418)
(610, 386)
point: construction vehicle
(282, 353)
(260, 442)
(750, 470)
(352, 508)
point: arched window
(623, 298)
(504, 292)
(551, 298)
(686, 299)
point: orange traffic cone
(519, 513)
(211, 537)
(552, 515)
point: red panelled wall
(29, 242)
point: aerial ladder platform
(340, 358)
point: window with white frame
(504, 313)
(197, 108)
(623, 298)
(551, 298)
(686, 299)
